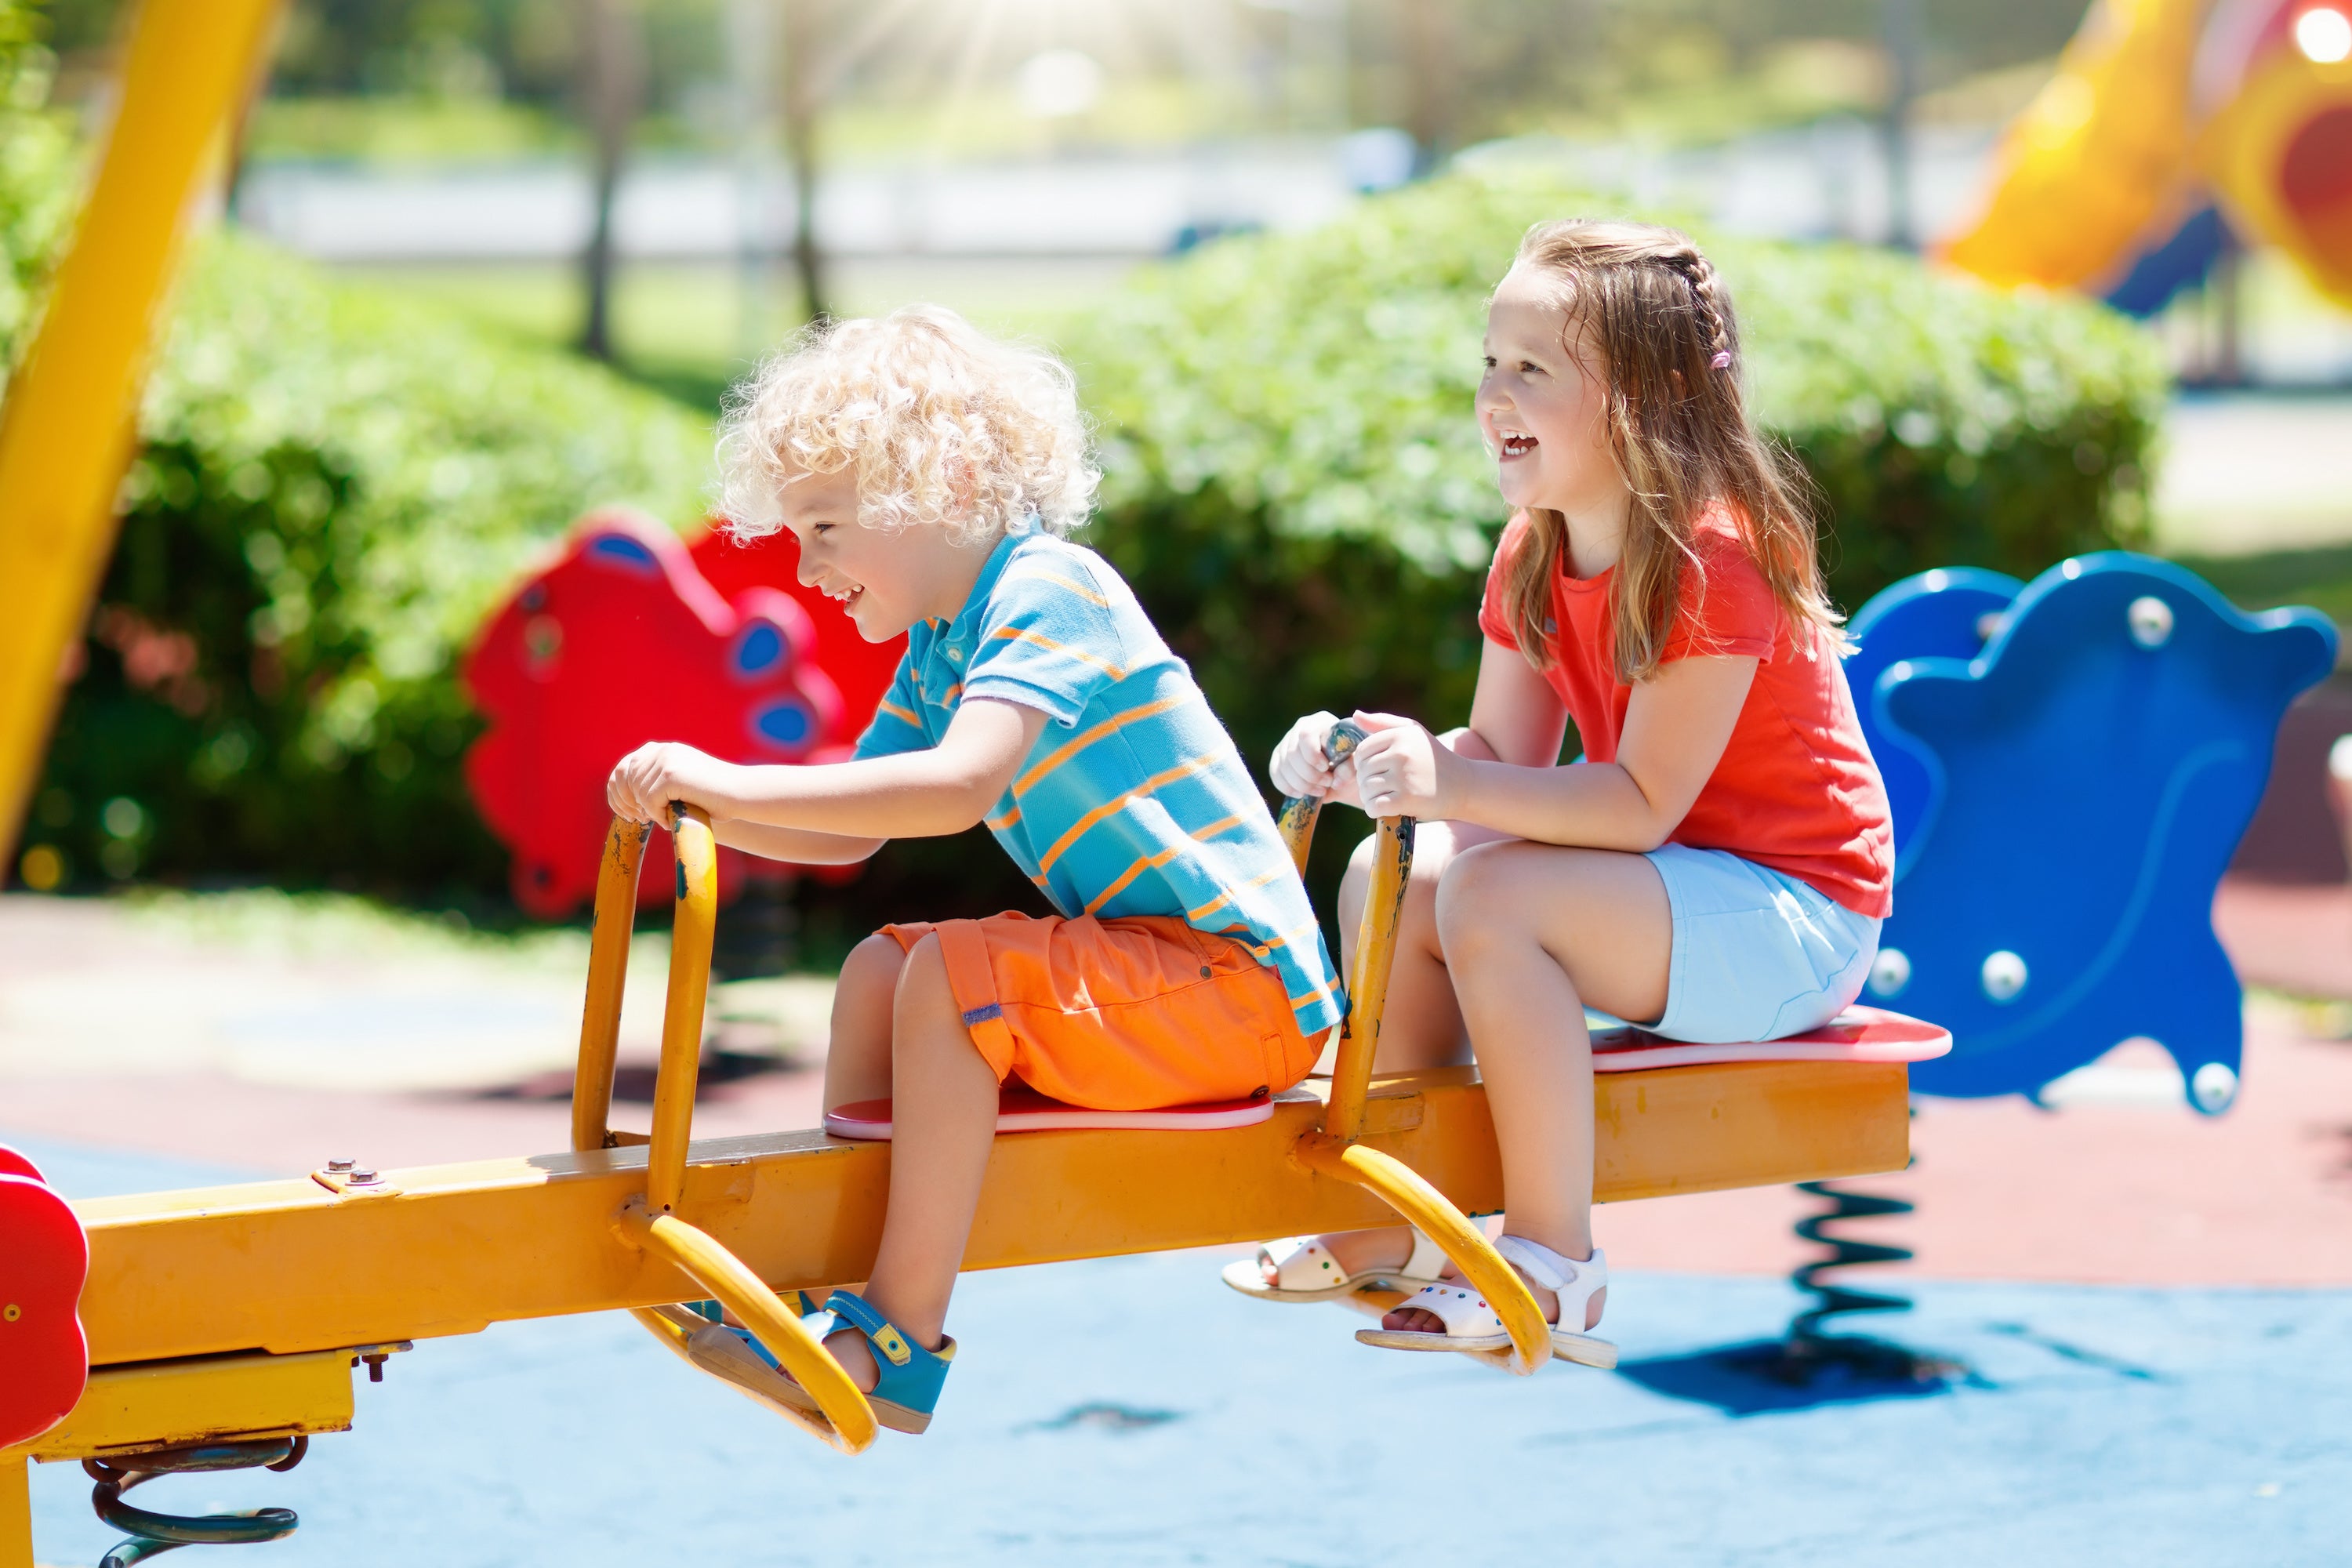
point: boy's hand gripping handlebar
(1335, 1151)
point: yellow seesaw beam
(291, 1266)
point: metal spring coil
(152, 1534)
(1833, 1300)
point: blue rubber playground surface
(1134, 1411)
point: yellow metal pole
(691, 930)
(16, 1513)
(608, 976)
(1367, 986)
(66, 432)
(1297, 825)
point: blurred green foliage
(1296, 485)
(330, 490)
(36, 170)
(333, 484)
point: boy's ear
(963, 485)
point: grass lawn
(2321, 578)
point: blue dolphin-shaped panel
(2080, 786)
(1948, 613)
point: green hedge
(1295, 486)
(331, 489)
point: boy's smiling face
(1542, 407)
(887, 579)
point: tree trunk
(1431, 67)
(1900, 21)
(802, 69)
(611, 77)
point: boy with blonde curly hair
(931, 475)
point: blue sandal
(903, 1399)
(908, 1390)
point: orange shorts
(1133, 1014)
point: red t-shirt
(1796, 790)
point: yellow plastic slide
(2098, 156)
(2160, 106)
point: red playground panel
(1857, 1035)
(629, 637)
(44, 1260)
(1020, 1109)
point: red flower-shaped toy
(44, 1260)
(626, 639)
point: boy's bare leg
(1531, 933)
(857, 1057)
(1421, 1023)
(943, 1123)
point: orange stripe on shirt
(1021, 634)
(1191, 916)
(1059, 582)
(1284, 940)
(1063, 751)
(899, 713)
(1147, 863)
(1078, 829)
(1153, 862)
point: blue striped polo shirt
(1134, 801)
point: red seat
(1857, 1035)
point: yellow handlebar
(692, 927)
(608, 974)
(651, 1224)
(1335, 1151)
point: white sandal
(1474, 1328)
(1305, 1271)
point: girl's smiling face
(1543, 405)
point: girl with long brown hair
(1715, 866)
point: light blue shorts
(1758, 955)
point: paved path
(2242, 474)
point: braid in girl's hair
(1646, 311)
(1713, 318)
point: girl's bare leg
(858, 1060)
(943, 1123)
(1421, 1023)
(1532, 932)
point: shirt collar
(956, 639)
